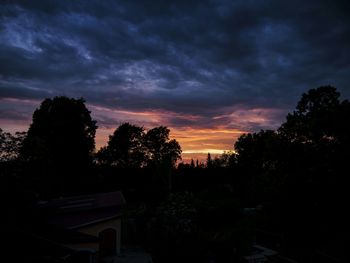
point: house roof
(85, 202)
(77, 211)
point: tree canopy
(160, 149)
(125, 147)
(131, 147)
(62, 130)
(314, 117)
(59, 146)
(300, 169)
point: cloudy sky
(207, 69)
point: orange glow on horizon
(196, 141)
(199, 140)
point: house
(90, 224)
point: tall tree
(125, 147)
(209, 161)
(192, 164)
(162, 150)
(259, 158)
(61, 128)
(60, 142)
(313, 119)
(308, 159)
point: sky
(209, 70)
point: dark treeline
(286, 188)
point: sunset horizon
(202, 69)
(196, 143)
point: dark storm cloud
(15, 91)
(203, 58)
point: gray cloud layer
(205, 58)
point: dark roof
(85, 202)
(77, 211)
(83, 218)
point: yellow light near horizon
(193, 140)
(205, 151)
(203, 141)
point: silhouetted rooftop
(78, 211)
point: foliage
(259, 149)
(131, 147)
(209, 162)
(177, 214)
(10, 145)
(226, 159)
(125, 147)
(57, 151)
(61, 130)
(314, 115)
(160, 149)
(260, 162)
(300, 171)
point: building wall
(95, 229)
(93, 247)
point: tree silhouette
(125, 147)
(61, 129)
(318, 136)
(260, 157)
(192, 164)
(226, 159)
(209, 162)
(300, 171)
(314, 116)
(161, 150)
(60, 142)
